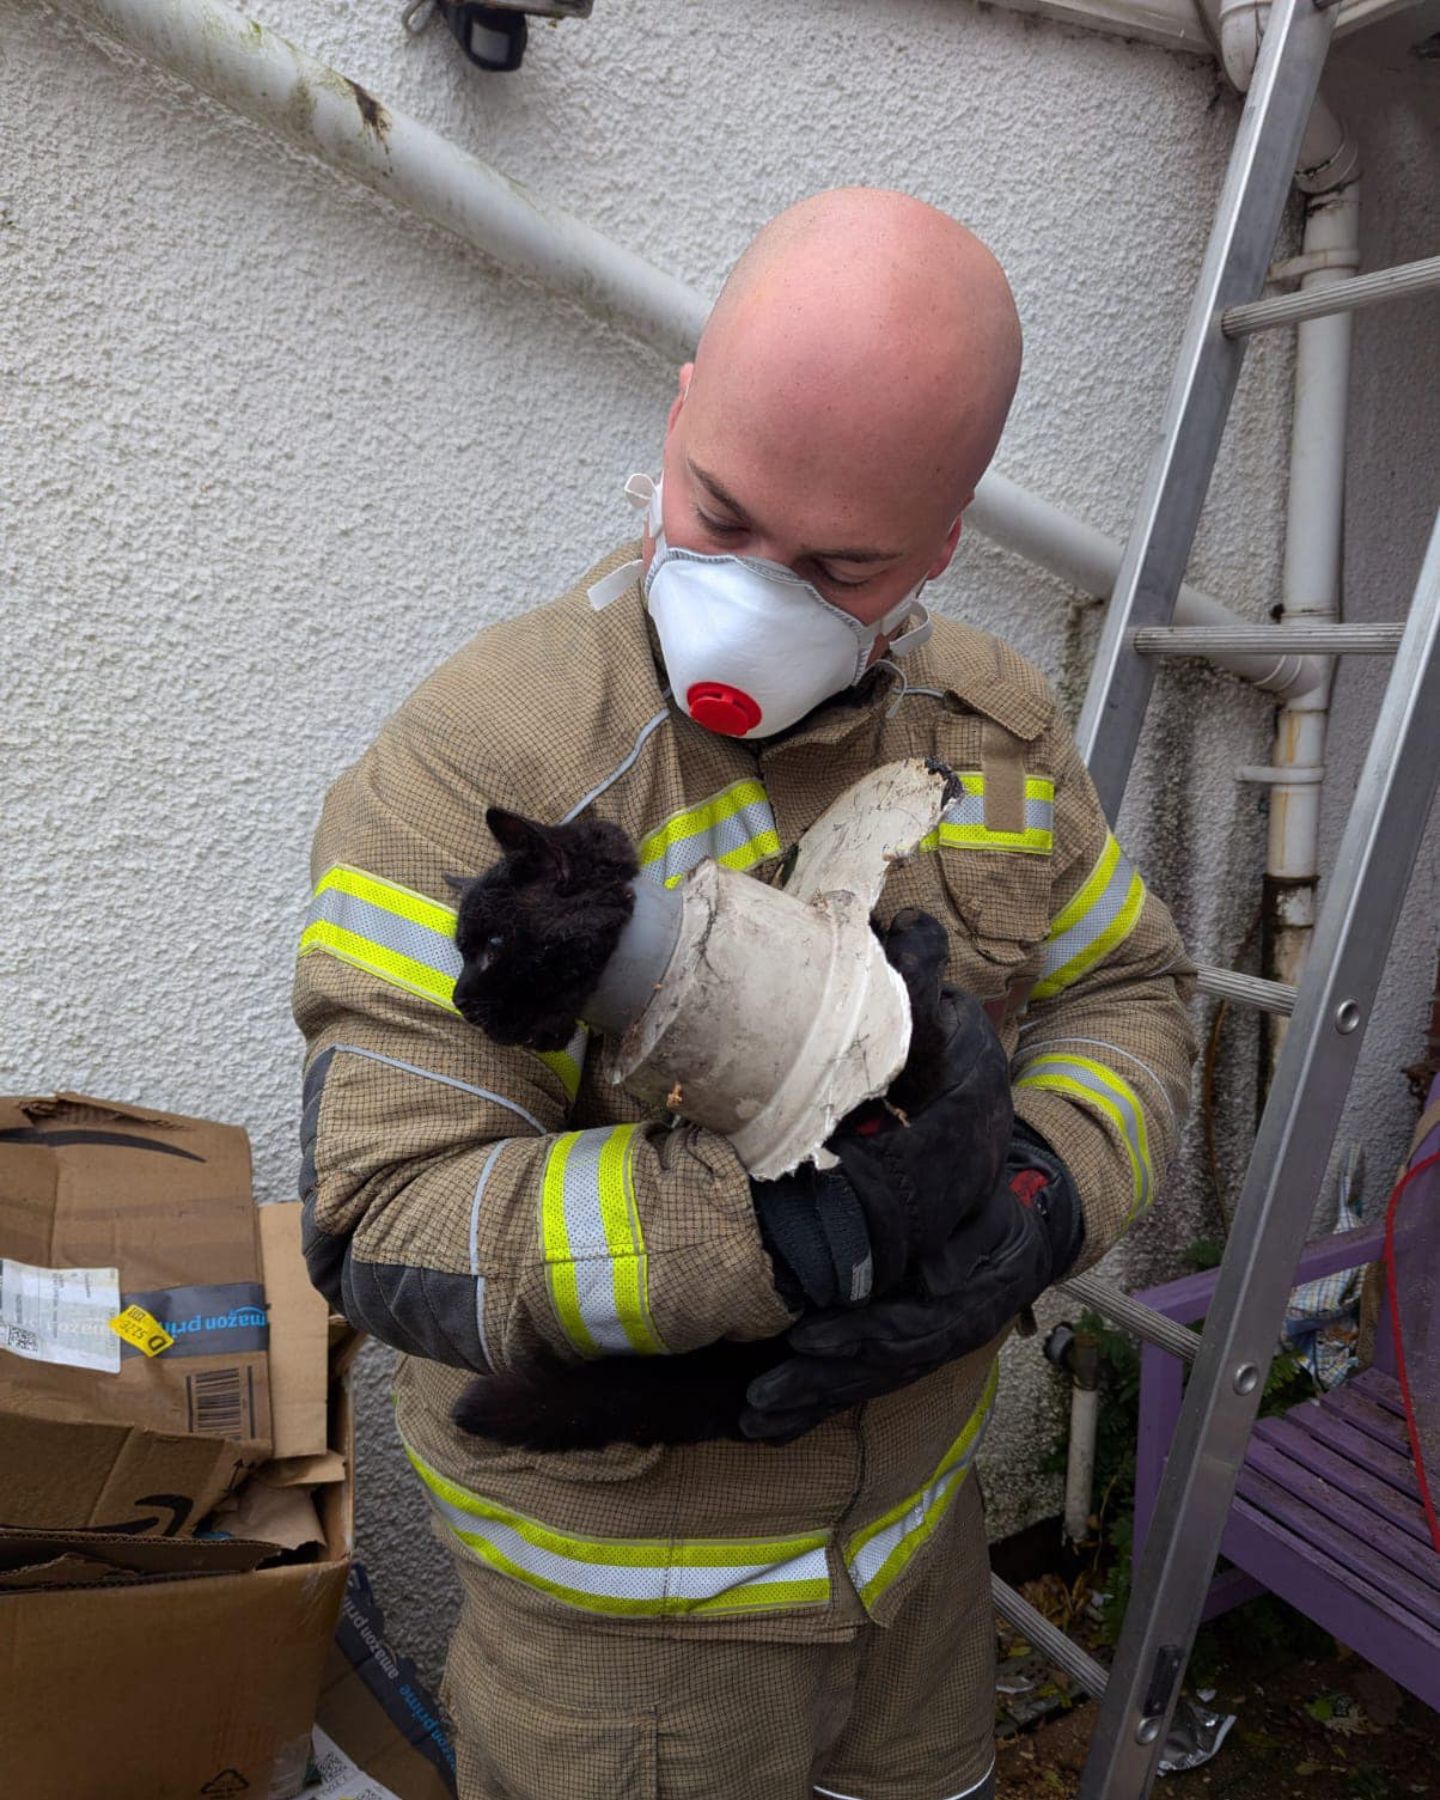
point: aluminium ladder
(1330, 1007)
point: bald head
(848, 392)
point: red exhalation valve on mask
(721, 708)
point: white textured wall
(271, 451)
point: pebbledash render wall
(271, 450)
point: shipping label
(60, 1315)
(340, 1777)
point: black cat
(537, 931)
(535, 934)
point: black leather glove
(960, 1296)
(910, 1167)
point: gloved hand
(912, 1167)
(994, 1264)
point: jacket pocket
(523, 1748)
(1001, 899)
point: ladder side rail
(1237, 258)
(1362, 904)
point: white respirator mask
(748, 645)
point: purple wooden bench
(1327, 1511)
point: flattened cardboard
(134, 1555)
(165, 1200)
(299, 1326)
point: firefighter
(804, 1608)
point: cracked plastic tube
(767, 1014)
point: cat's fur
(536, 932)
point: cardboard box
(163, 1684)
(379, 1734)
(109, 1210)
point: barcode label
(217, 1403)
(340, 1777)
(60, 1315)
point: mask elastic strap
(919, 633)
(640, 491)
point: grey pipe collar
(637, 966)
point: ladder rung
(1317, 639)
(1147, 1324)
(1332, 297)
(1249, 990)
(1048, 1639)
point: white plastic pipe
(1310, 588)
(258, 73)
(1080, 1461)
(238, 61)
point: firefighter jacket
(474, 1205)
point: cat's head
(536, 930)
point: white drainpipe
(1310, 587)
(238, 61)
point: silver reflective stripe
(871, 1558)
(722, 839)
(1109, 1050)
(390, 931)
(877, 1556)
(590, 1246)
(465, 1087)
(1095, 921)
(659, 1582)
(735, 827)
(969, 809)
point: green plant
(1287, 1382)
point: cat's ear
(456, 883)
(532, 845)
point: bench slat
(1383, 1389)
(1341, 1548)
(1306, 1488)
(1373, 1490)
(1322, 1425)
(1367, 1416)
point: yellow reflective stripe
(569, 1063)
(650, 1577)
(754, 850)
(1095, 921)
(388, 965)
(389, 931)
(1090, 890)
(626, 1240)
(555, 1239)
(1092, 1084)
(404, 902)
(596, 1266)
(697, 819)
(962, 824)
(879, 1554)
(734, 827)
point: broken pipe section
(768, 1013)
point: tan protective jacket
(472, 1204)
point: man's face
(766, 481)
